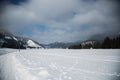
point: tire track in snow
(21, 71)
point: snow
(14, 38)
(60, 64)
(8, 37)
(32, 44)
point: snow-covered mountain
(59, 45)
(32, 44)
(84, 44)
(9, 40)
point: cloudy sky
(49, 21)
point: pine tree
(106, 43)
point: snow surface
(60, 64)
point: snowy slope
(31, 43)
(60, 64)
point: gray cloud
(65, 20)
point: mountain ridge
(9, 40)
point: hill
(8, 40)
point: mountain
(78, 44)
(58, 45)
(8, 40)
(33, 44)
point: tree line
(107, 43)
(113, 43)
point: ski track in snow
(58, 64)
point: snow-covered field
(60, 64)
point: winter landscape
(59, 39)
(25, 59)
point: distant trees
(107, 43)
(97, 45)
(111, 43)
(86, 45)
(75, 47)
(115, 42)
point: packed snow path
(60, 64)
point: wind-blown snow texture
(60, 64)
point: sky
(48, 21)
